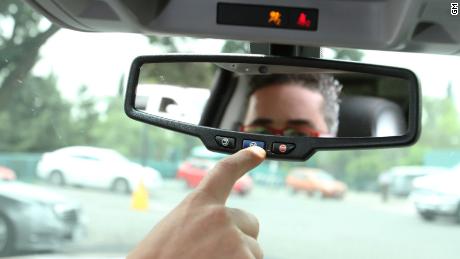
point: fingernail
(258, 150)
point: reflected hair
(324, 84)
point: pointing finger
(220, 180)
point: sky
(100, 60)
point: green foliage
(135, 139)
(232, 46)
(41, 120)
(183, 74)
(348, 54)
(168, 44)
(442, 119)
(85, 117)
(38, 120)
(25, 23)
(19, 49)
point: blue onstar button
(250, 143)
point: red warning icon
(303, 21)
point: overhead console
(267, 16)
(403, 25)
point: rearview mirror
(288, 106)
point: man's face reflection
(286, 109)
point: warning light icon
(274, 18)
(303, 21)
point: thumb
(220, 180)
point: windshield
(61, 88)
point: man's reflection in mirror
(293, 105)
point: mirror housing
(301, 148)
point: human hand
(201, 226)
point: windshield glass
(62, 88)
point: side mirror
(291, 107)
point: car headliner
(402, 25)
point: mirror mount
(282, 50)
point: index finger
(220, 180)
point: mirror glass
(275, 99)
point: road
(292, 226)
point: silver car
(32, 218)
(436, 195)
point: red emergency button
(282, 148)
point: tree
(348, 54)
(168, 44)
(86, 117)
(129, 135)
(442, 119)
(39, 119)
(20, 49)
(232, 46)
(181, 74)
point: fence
(443, 158)
(24, 164)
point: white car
(437, 194)
(96, 167)
(401, 177)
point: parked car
(197, 166)
(400, 178)
(437, 194)
(315, 182)
(7, 174)
(96, 167)
(32, 218)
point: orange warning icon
(274, 18)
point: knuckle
(253, 219)
(236, 239)
(246, 253)
(193, 200)
(249, 217)
(256, 225)
(236, 212)
(259, 254)
(254, 248)
(217, 214)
